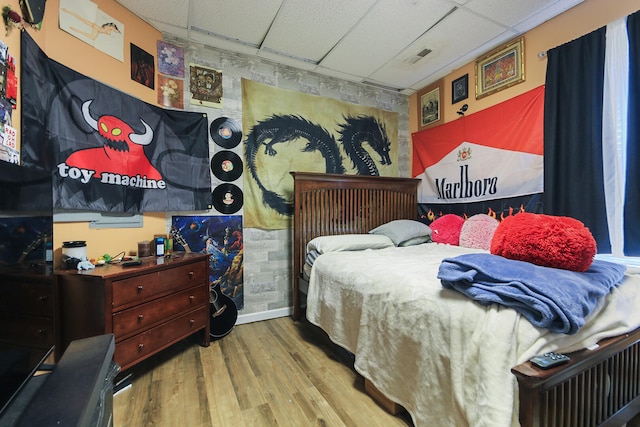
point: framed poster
(460, 89)
(500, 68)
(429, 105)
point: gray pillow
(416, 241)
(401, 230)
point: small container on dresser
(147, 307)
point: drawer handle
(191, 298)
(191, 322)
(190, 273)
(43, 298)
(140, 289)
(140, 347)
(140, 317)
(42, 331)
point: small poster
(8, 145)
(221, 237)
(205, 85)
(142, 67)
(170, 59)
(87, 22)
(170, 92)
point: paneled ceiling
(400, 45)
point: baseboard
(264, 315)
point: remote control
(131, 263)
(549, 360)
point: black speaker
(32, 10)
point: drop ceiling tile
(230, 20)
(174, 12)
(309, 29)
(456, 35)
(387, 29)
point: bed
(599, 386)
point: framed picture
(500, 68)
(429, 105)
(460, 89)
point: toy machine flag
(109, 151)
(493, 154)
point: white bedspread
(443, 357)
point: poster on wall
(142, 67)
(220, 237)
(170, 59)
(205, 85)
(170, 92)
(85, 21)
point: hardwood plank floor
(270, 373)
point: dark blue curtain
(573, 182)
(632, 201)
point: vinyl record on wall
(226, 165)
(227, 198)
(225, 132)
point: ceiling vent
(417, 57)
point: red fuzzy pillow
(550, 241)
(446, 229)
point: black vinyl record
(226, 165)
(227, 198)
(225, 132)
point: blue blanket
(551, 298)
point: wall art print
(290, 131)
(222, 238)
(170, 59)
(205, 85)
(170, 92)
(430, 105)
(85, 21)
(142, 67)
(501, 68)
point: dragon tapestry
(289, 131)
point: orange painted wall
(576, 22)
(74, 53)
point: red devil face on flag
(121, 160)
(108, 151)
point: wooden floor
(270, 373)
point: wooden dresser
(147, 307)
(27, 307)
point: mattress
(442, 356)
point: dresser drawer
(144, 316)
(141, 346)
(30, 331)
(27, 298)
(147, 286)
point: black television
(26, 227)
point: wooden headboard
(331, 204)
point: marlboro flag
(493, 154)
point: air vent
(417, 57)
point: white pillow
(348, 242)
(401, 230)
